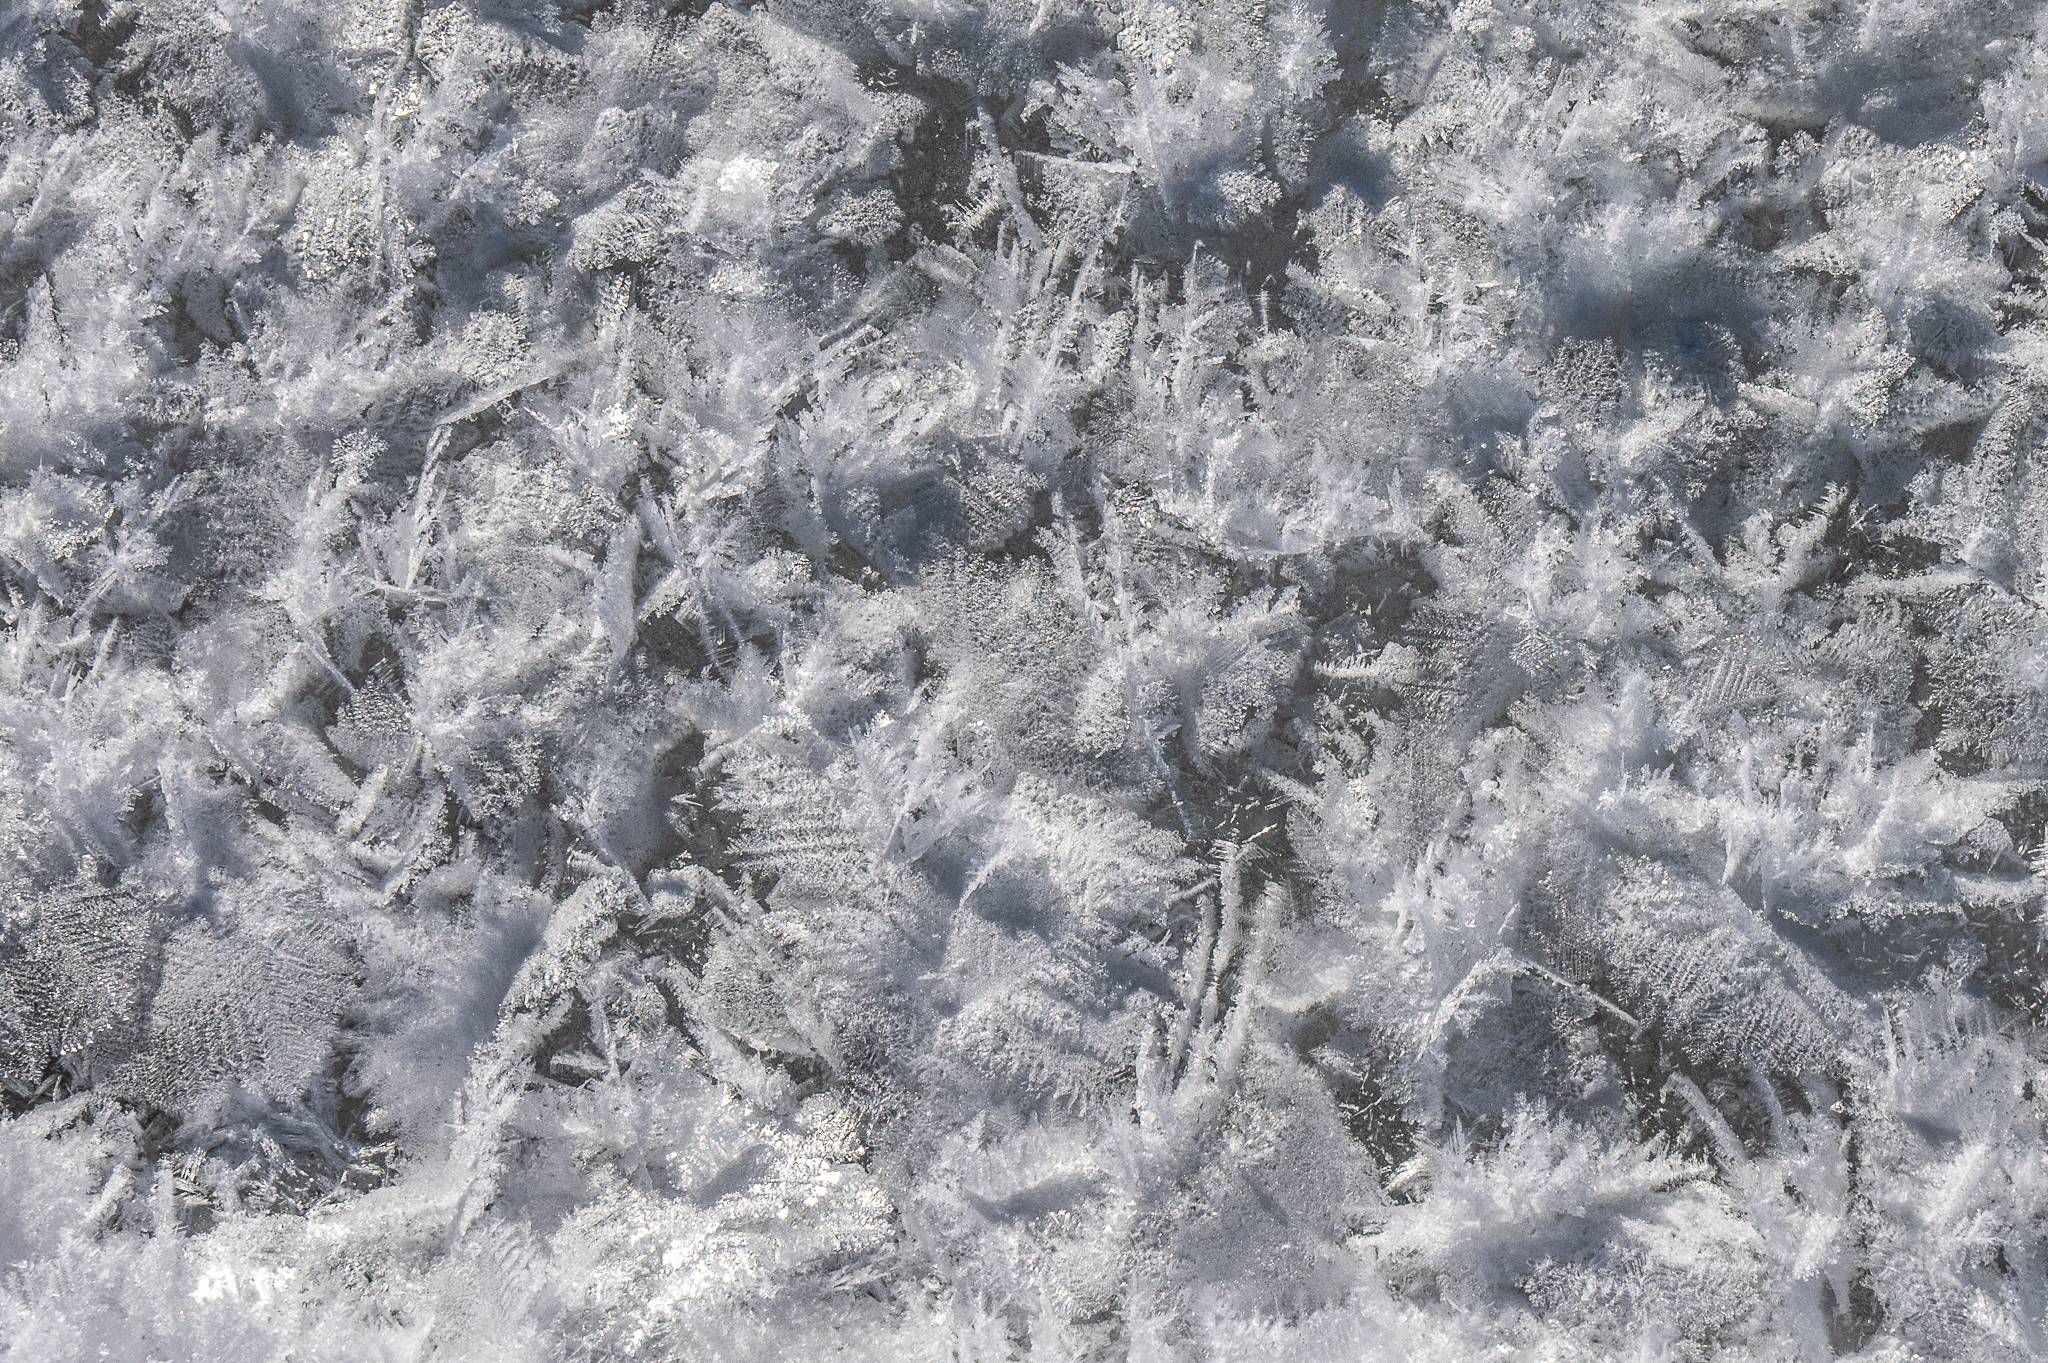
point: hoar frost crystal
(987, 680)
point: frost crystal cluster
(943, 681)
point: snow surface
(974, 680)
